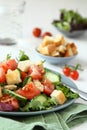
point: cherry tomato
(46, 34)
(66, 71)
(23, 75)
(74, 74)
(48, 87)
(9, 64)
(37, 32)
(12, 64)
(29, 91)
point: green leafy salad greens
(70, 20)
(48, 102)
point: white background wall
(42, 12)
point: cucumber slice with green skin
(17, 96)
(41, 98)
(52, 76)
(27, 80)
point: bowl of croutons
(56, 50)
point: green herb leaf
(8, 56)
(23, 56)
(66, 90)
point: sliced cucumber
(12, 93)
(41, 98)
(52, 76)
(27, 80)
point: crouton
(57, 46)
(43, 50)
(71, 50)
(47, 41)
(59, 95)
(74, 48)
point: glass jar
(10, 14)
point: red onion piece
(6, 107)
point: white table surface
(42, 16)
(28, 45)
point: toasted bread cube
(59, 95)
(24, 65)
(13, 77)
(68, 51)
(55, 53)
(74, 48)
(51, 48)
(47, 41)
(43, 50)
(47, 50)
(59, 40)
(57, 46)
(62, 48)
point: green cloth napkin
(60, 120)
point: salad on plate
(26, 86)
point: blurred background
(19, 17)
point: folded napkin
(60, 120)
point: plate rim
(57, 108)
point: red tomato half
(2, 76)
(9, 64)
(35, 72)
(4, 66)
(48, 87)
(10, 100)
(29, 91)
(23, 75)
(12, 64)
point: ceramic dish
(55, 60)
(73, 34)
(65, 80)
